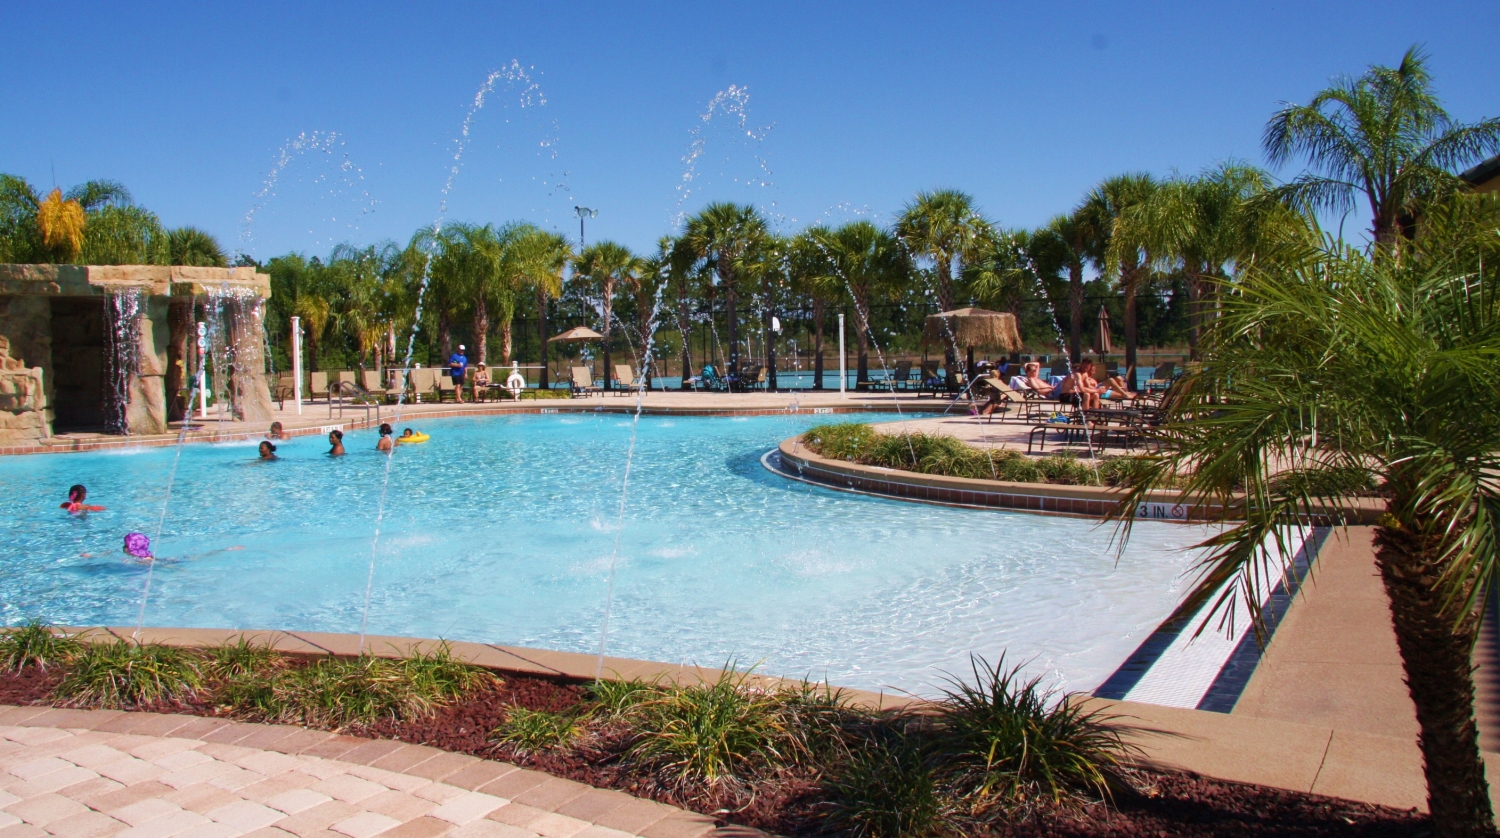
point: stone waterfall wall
(247, 336)
(25, 368)
(146, 412)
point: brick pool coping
(64, 445)
(102, 772)
(1095, 502)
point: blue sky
(1025, 106)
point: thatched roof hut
(972, 328)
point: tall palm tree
(684, 277)
(1064, 245)
(944, 227)
(538, 259)
(360, 276)
(723, 233)
(812, 278)
(194, 247)
(1284, 409)
(604, 266)
(1121, 249)
(466, 278)
(1384, 136)
(868, 262)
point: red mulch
(1170, 804)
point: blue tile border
(1230, 683)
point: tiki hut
(971, 328)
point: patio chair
(317, 386)
(447, 387)
(1161, 377)
(1008, 397)
(582, 382)
(346, 377)
(419, 383)
(374, 385)
(707, 379)
(286, 388)
(756, 379)
(929, 382)
(624, 379)
(901, 376)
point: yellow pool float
(413, 438)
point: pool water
(501, 530)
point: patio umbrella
(578, 334)
(972, 328)
(1103, 345)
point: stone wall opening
(78, 347)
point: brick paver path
(87, 773)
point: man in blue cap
(458, 364)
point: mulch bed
(1167, 804)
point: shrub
(615, 698)
(1004, 742)
(243, 659)
(35, 643)
(841, 441)
(884, 788)
(123, 674)
(532, 731)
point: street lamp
(584, 212)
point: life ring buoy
(515, 382)
(414, 438)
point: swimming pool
(501, 530)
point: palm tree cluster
(93, 223)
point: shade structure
(972, 328)
(1103, 344)
(577, 334)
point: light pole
(584, 212)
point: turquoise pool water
(501, 529)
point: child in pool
(406, 433)
(138, 546)
(76, 497)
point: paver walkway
(88, 773)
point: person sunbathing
(76, 497)
(1033, 379)
(1114, 388)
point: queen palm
(723, 233)
(604, 266)
(1383, 136)
(812, 278)
(867, 261)
(1285, 410)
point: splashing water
(344, 177)
(122, 354)
(733, 103)
(530, 94)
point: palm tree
(684, 276)
(360, 276)
(944, 227)
(1121, 249)
(603, 266)
(723, 233)
(192, 246)
(1064, 245)
(1285, 410)
(868, 262)
(22, 239)
(812, 278)
(536, 260)
(1384, 135)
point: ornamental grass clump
(534, 731)
(35, 643)
(883, 786)
(121, 674)
(1004, 745)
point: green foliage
(124, 235)
(242, 659)
(1004, 741)
(883, 787)
(35, 643)
(533, 731)
(122, 674)
(951, 457)
(615, 698)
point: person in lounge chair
(1032, 380)
(1114, 389)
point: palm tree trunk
(481, 331)
(733, 324)
(541, 331)
(1436, 654)
(1130, 280)
(945, 281)
(862, 331)
(817, 313)
(445, 337)
(1075, 312)
(685, 330)
(312, 349)
(506, 341)
(609, 298)
(1195, 310)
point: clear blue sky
(1023, 105)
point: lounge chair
(624, 379)
(1007, 396)
(582, 382)
(447, 387)
(756, 379)
(929, 381)
(419, 383)
(317, 386)
(1161, 377)
(707, 379)
(373, 385)
(346, 377)
(286, 388)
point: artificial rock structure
(113, 348)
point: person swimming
(267, 450)
(385, 443)
(77, 494)
(276, 432)
(407, 433)
(336, 440)
(138, 546)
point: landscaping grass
(120, 674)
(34, 643)
(945, 455)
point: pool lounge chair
(582, 382)
(929, 381)
(373, 385)
(624, 379)
(286, 388)
(420, 383)
(446, 387)
(343, 377)
(317, 386)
